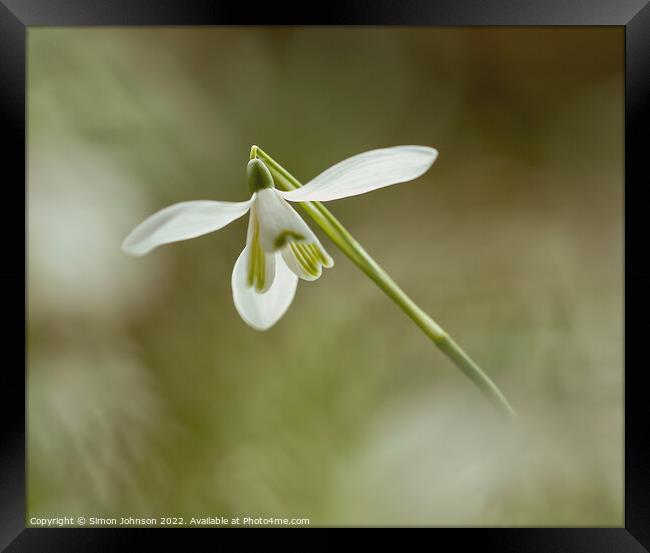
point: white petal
(262, 311)
(366, 172)
(279, 222)
(180, 222)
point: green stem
(350, 247)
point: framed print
(382, 267)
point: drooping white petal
(279, 222)
(261, 264)
(262, 311)
(180, 222)
(365, 172)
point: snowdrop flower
(280, 247)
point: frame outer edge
(12, 276)
(637, 328)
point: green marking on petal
(309, 258)
(286, 236)
(319, 254)
(298, 256)
(250, 276)
(327, 258)
(261, 271)
(256, 275)
(302, 261)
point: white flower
(280, 247)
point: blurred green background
(147, 394)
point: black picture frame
(633, 15)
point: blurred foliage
(149, 396)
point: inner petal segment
(306, 259)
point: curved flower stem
(350, 247)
